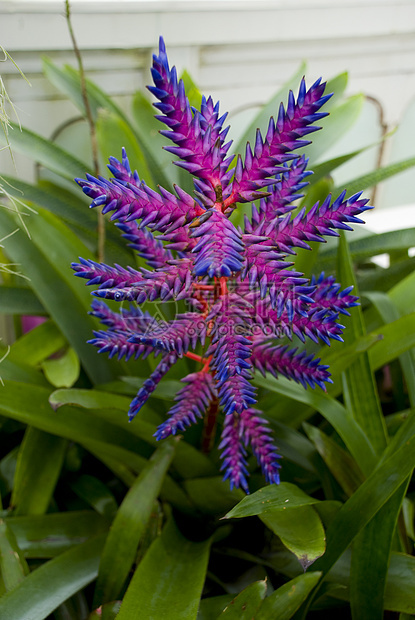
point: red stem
(209, 429)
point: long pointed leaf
(334, 412)
(370, 560)
(45, 152)
(340, 463)
(169, 580)
(96, 493)
(50, 585)
(129, 524)
(13, 566)
(246, 604)
(46, 536)
(38, 467)
(362, 397)
(389, 313)
(375, 177)
(19, 300)
(366, 502)
(53, 246)
(369, 245)
(285, 601)
(37, 344)
(113, 133)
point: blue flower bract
(242, 297)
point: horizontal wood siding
(239, 51)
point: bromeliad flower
(242, 296)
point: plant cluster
(99, 518)
(241, 294)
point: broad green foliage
(88, 497)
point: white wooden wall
(239, 51)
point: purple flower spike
(220, 248)
(197, 134)
(233, 453)
(151, 383)
(244, 301)
(256, 432)
(191, 403)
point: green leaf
(74, 608)
(212, 495)
(91, 399)
(408, 513)
(46, 536)
(29, 404)
(52, 583)
(45, 259)
(285, 601)
(37, 344)
(62, 371)
(339, 359)
(44, 152)
(193, 93)
(300, 530)
(188, 461)
(293, 445)
(38, 467)
(367, 501)
(326, 168)
(18, 371)
(13, 566)
(67, 81)
(211, 607)
(58, 200)
(71, 208)
(7, 470)
(95, 493)
(246, 604)
(340, 463)
(370, 560)
(113, 133)
(389, 313)
(361, 394)
(402, 294)
(129, 525)
(285, 496)
(177, 567)
(368, 246)
(399, 593)
(337, 86)
(339, 417)
(397, 337)
(290, 395)
(375, 177)
(147, 128)
(19, 300)
(384, 279)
